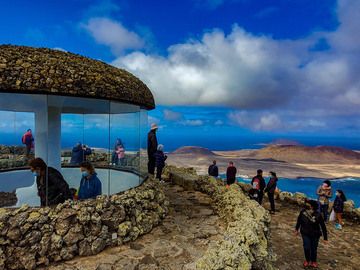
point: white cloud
(247, 71)
(218, 123)
(193, 123)
(266, 121)
(113, 34)
(172, 115)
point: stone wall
(31, 237)
(298, 198)
(246, 242)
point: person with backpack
(213, 170)
(258, 185)
(324, 193)
(51, 185)
(338, 208)
(310, 224)
(28, 140)
(160, 158)
(270, 189)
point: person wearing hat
(152, 148)
(310, 224)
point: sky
(231, 70)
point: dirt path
(184, 236)
(342, 251)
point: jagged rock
(84, 248)
(98, 245)
(124, 228)
(74, 235)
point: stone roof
(44, 71)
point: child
(160, 158)
(339, 208)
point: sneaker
(306, 264)
(314, 265)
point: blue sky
(261, 69)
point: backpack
(23, 139)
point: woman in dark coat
(51, 185)
(311, 225)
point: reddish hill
(306, 154)
(193, 150)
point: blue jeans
(324, 208)
(310, 247)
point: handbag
(332, 216)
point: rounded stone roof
(44, 71)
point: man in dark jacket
(270, 189)
(258, 183)
(231, 174)
(311, 225)
(213, 170)
(79, 153)
(152, 148)
(51, 185)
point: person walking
(231, 174)
(324, 193)
(213, 170)
(90, 185)
(120, 152)
(258, 185)
(51, 185)
(339, 208)
(310, 224)
(152, 145)
(160, 158)
(28, 140)
(270, 189)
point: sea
(308, 186)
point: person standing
(258, 183)
(324, 193)
(213, 170)
(152, 145)
(51, 185)
(28, 140)
(160, 158)
(311, 225)
(339, 208)
(231, 174)
(270, 189)
(114, 155)
(79, 153)
(90, 185)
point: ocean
(308, 186)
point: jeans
(310, 247)
(324, 208)
(272, 201)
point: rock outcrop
(246, 239)
(31, 237)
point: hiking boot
(306, 264)
(314, 265)
(338, 226)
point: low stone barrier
(246, 242)
(31, 237)
(298, 198)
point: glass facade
(65, 132)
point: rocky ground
(342, 251)
(184, 236)
(192, 226)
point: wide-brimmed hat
(154, 126)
